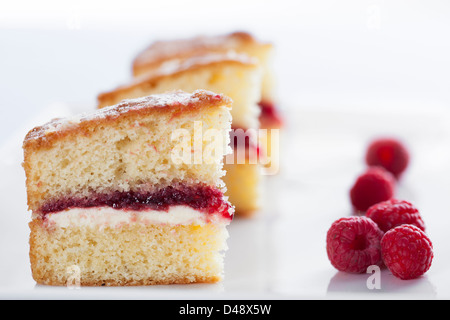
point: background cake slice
(108, 198)
(165, 52)
(237, 76)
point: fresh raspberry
(407, 251)
(392, 213)
(353, 244)
(373, 186)
(388, 153)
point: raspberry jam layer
(206, 199)
(269, 117)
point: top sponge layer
(127, 147)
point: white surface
(280, 254)
(352, 69)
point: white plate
(279, 254)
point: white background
(327, 51)
(347, 71)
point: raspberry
(353, 244)
(392, 213)
(407, 251)
(373, 186)
(388, 153)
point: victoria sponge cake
(109, 196)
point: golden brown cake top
(178, 103)
(160, 51)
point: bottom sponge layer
(130, 255)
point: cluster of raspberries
(387, 231)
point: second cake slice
(235, 75)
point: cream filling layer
(101, 217)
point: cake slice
(166, 52)
(110, 197)
(238, 77)
(163, 53)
